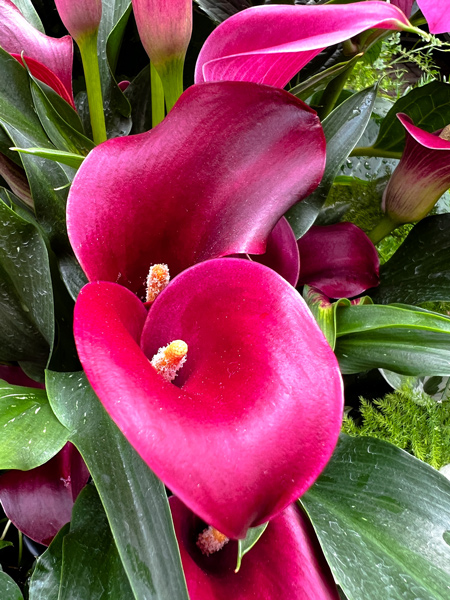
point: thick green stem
(333, 91)
(171, 74)
(89, 56)
(384, 228)
(377, 152)
(157, 90)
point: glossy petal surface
(17, 36)
(255, 412)
(211, 180)
(39, 502)
(437, 14)
(270, 44)
(80, 17)
(286, 562)
(339, 260)
(421, 177)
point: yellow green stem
(171, 74)
(377, 152)
(89, 57)
(157, 90)
(382, 229)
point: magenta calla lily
(212, 179)
(17, 36)
(270, 44)
(39, 502)
(339, 260)
(255, 412)
(437, 13)
(286, 563)
(421, 177)
(80, 18)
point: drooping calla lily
(212, 179)
(80, 18)
(339, 260)
(254, 413)
(54, 55)
(287, 561)
(437, 14)
(420, 178)
(270, 44)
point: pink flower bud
(81, 17)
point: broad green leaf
(139, 96)
(45, 581)
(26, 302)
(245, 545)
(429, 108)
(29, 12)
(383, 520)
(5, 544)
(420, 269)
(342, 128)
(9, 590)
(401, 338)
(220, 10)
(91, 567)
(130, 492)
(31, 434)
(66, 158)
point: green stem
(157, 90)
(371, 151)
(384, 228)
(333, 91)
(171, 74)
(89, 57)
(20, 552)
(5, 531)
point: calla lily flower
(80, 18)
(420, 178)
(39, 502)
(270, 44)
(339, 260)
(213, 179)
(286, 562)
(254, 414)
(47, 54)
(437, 14)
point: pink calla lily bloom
(420, 178)
(339, 260)
(286, 563)
(270, 44)
(213, 179)
(254, 414)
(80, 18)
(437, 13)
(51, 57)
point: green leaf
(8, 589)
(420, 269)
(45, 581)
(245, 545)
(342, 128)
(31, 434)
(383, 520)
(139, 96)
(220, 10)
(130, 492)
(5, 544)
(404, 339)
(429, 108)
(66, 158)
(26, 303)
(29, 12)
(91, 567)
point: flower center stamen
(157, 280)
(169, 359)
(210, 541)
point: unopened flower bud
(80, 17)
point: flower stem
(171, 74)
(5, 531)
(157, 90)
(20, 551)
(382, 229)
(89, 57)
(377, 152)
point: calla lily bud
(80, 18)
(421, 177)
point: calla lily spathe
(270, 44)
(437, 13)
(80, 17)
(255, 412)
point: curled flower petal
(211, 180)
(339, 260)
(17, 36)
(39, 502)
(270, 44)
(254, 414)
(287, 562)
(420, 178)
